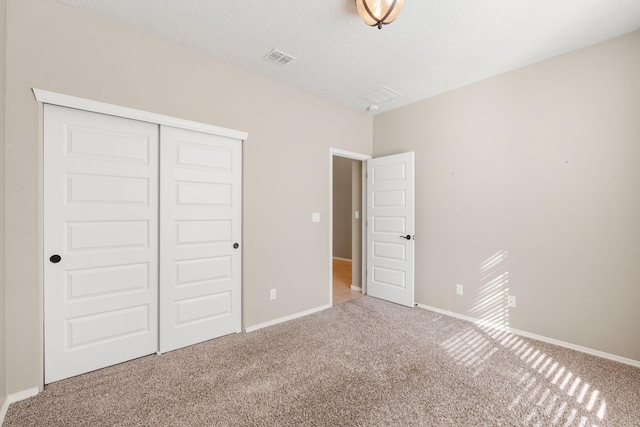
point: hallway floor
(342, 291)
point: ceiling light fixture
(377, 13)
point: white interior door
(100, 241)
(390, 228)
(200, 205)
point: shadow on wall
(558, 392)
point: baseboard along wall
(542, 338)
(3, 409)
(286, 318)
(16, 397)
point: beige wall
(58, 48)
(3, 40)
(528, 183)
(342, 207)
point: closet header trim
(63, 100)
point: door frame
(63, 100)
(336, 152)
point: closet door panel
(100, 241)
(200, 221)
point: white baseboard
(342, 259)
(3, 409)
(286, 318)
(16, 397)
(525, 334)
(356, 288)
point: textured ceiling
(434, 46)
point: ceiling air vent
(381, 95)
(279, 57)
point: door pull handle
(408, 237)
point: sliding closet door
(100, 241)
(200, 232)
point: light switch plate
(315, 217)
(357, 214)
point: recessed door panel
(201, 156)
(106, 235)
(203, 308)
(105, 144)
(389, 251)
(96, 329)
(100, 241)
(203, 194)
(389, 277)
(203, 270)
(389, 199)
(388, 173)
(203, 232)
(103, 282)
(389, 225)
(114, 190)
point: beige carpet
(363, 363)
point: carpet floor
(362, 363)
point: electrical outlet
(459, 289)
(511, 301)
(273, 293)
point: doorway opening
(346, 228)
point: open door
(390, 228)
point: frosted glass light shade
(377, 13)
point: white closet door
(200, 223)
(100, 241)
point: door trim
(63, 100)
(336, 152)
